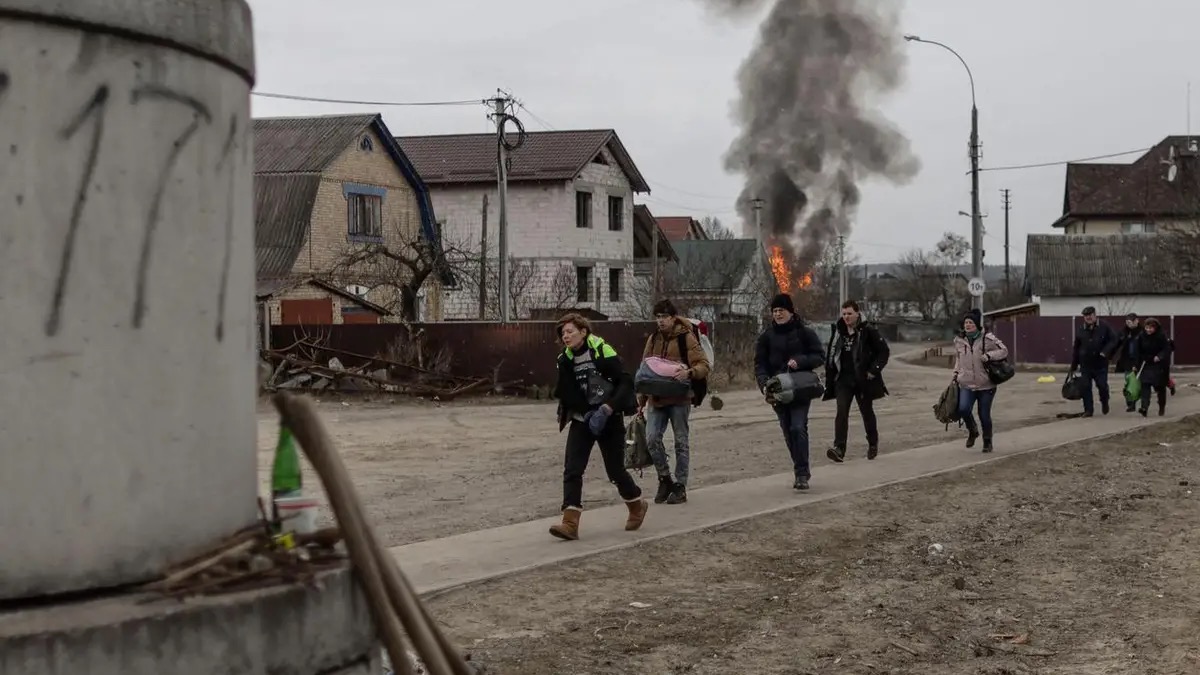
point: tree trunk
(408, 303)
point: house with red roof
(571, 221)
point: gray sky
(1055, 80)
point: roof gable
(1118, 264)
(304, 144)
(544, 156)
(1137, 189)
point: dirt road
(427, 472)
(1077, 560)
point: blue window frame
(364, 212)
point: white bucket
(298, 514)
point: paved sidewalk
(444, 564)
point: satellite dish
(1172, 171)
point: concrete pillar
(127, 398)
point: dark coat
(781, 343)
(571, 400)
(1124, 349)
(1146, 347)
(870, 354)
(1093, 346)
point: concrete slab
(321, 629)
(444, 564)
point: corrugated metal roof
(544, 156)
(714, 265)
(304, 144)
(1119, 264)
(283, 206)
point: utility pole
(976, 218)
(1007, 208)
(842, 290)
(757, 203)
(654, 281)
(483, 252)
(501, 114)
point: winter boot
(678, 494)
(800, 484)
(665, 486)
(1130, 406)
(1104, 407)
(1162, 408)
(1143, 411)
(987, 444)
(972, 434)
(873, 451)
(569, 527)
(836, 453)
(637, 513)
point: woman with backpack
(974, 348)
(593, 394)
(854, 372)
(1152, 354)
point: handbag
(637, 452)
(1072, 390)
(999, 372)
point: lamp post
(976, 219)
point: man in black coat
(787, 345)
(854, 372)
(1094, 344)
(1126, 340)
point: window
(614, 284)
(365, 144)
(583, 283)
(364, 216)
(1137, 228)
(583, 209)
(616, 214)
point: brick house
(570, 220)
(1158, 191)
(326, 189)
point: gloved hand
(597, 420)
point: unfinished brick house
(570, 220)
(337, 205)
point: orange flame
(783, 274)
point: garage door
(315, 312)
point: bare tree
(716, 229)
(919, 281)
(953, 248)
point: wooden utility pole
(1007, 208)
(501, 102)
(483, 253)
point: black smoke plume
(809, 132)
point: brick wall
(304, 292)
(543, 234)
(328, 240)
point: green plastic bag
(1133, 387)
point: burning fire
(783, 274)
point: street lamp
(976, 219)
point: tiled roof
(714, 265)
(676, 227)
(299, 144)
(1118, 264)
(544, 156)
(1137, 189)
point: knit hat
(976, 316)
(783, 301)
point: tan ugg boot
(637, 513)
(569, 527)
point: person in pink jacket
(974, 347)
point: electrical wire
(318, 99)
(1014, 167)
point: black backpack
(699, 387)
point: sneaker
(836, 453)
(872, 452)
(800, 484)
(678, 495)
(665, 486)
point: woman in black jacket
(1152, 354)
(788, 345)
(854, 372)
(593, 393)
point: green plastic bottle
(285, 472)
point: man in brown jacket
(673, 333)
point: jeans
(967, 399)
(793, 420)
(656, 429)
(1099, 376)
(579, 450)
(847, 392)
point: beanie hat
(783, 301)
(976, 316)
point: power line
(1013, 167)
(317, 99)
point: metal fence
(1048, 339)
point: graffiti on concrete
(226, 152)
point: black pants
(1160, 389)
(847, 392)
(579, 450)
